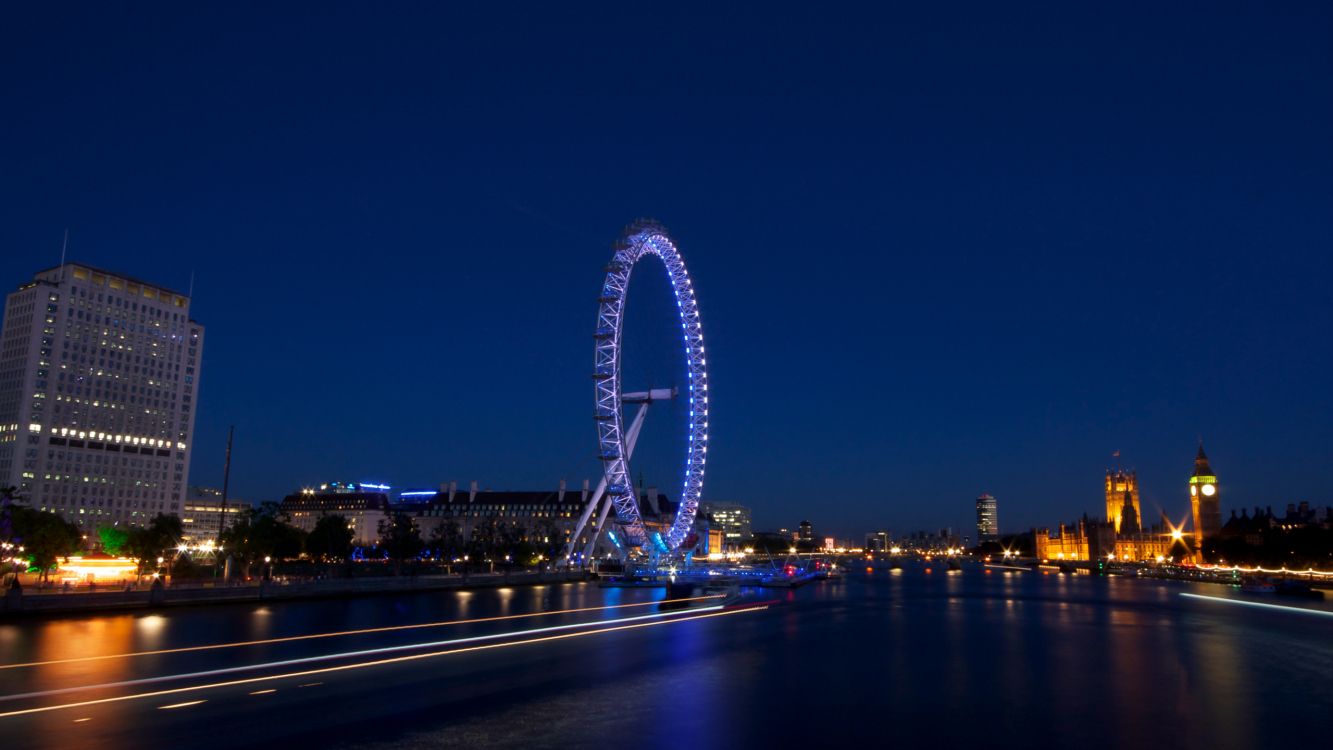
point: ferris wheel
(615, 439)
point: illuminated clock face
(1194, 489)
(1209, 490)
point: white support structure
(644, 399)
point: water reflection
(931, 659)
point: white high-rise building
(99, 378)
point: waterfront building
(547, 518)
(733, 520)
(99, 378)
(364, 508)
(988, 519)
(1088, 539)
(1122, 501)
(806, 533)
(202, 513)
(1205, 499)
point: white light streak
(1262, 605)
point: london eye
(615, 438)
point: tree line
(264, 533)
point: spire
(1201, 467)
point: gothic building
(1122, 501)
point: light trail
(186, 704)
(375, 663)
(349, 654)
(345, 633)
(1262, 605)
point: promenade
(52, 601)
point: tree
(548, 539)
(331, 539)
(147, 543)
(113, 539)
(447, 539)
(400, 538)
(262, 532)
(44, 536)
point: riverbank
(16, 605)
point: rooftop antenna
(190, 293)
(63, 247)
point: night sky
(938, 250)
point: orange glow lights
(100, 569)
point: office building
(202, 514)
(733, 520)
(99, 379)
(988, 519)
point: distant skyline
(938, 251)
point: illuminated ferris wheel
(615, 439)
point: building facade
(99, 379)
(1205, 500)
(733, 520)
(546, 518)
(202, 514)
(364, 509)
(878, 541)
(988, 519)
(1087, 540)
(1122, 501)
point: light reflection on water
(964, 658)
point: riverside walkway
(31, 601)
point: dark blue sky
(937, 250)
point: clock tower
(1204, 499)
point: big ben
(1204, 499)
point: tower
(99, 380)
(1122, 500)
(1204, 500)
(988, 520)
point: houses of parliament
(1125, 535)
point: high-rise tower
(1204, 500)
(1122, 501)
(99, 379)
(988, 519)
